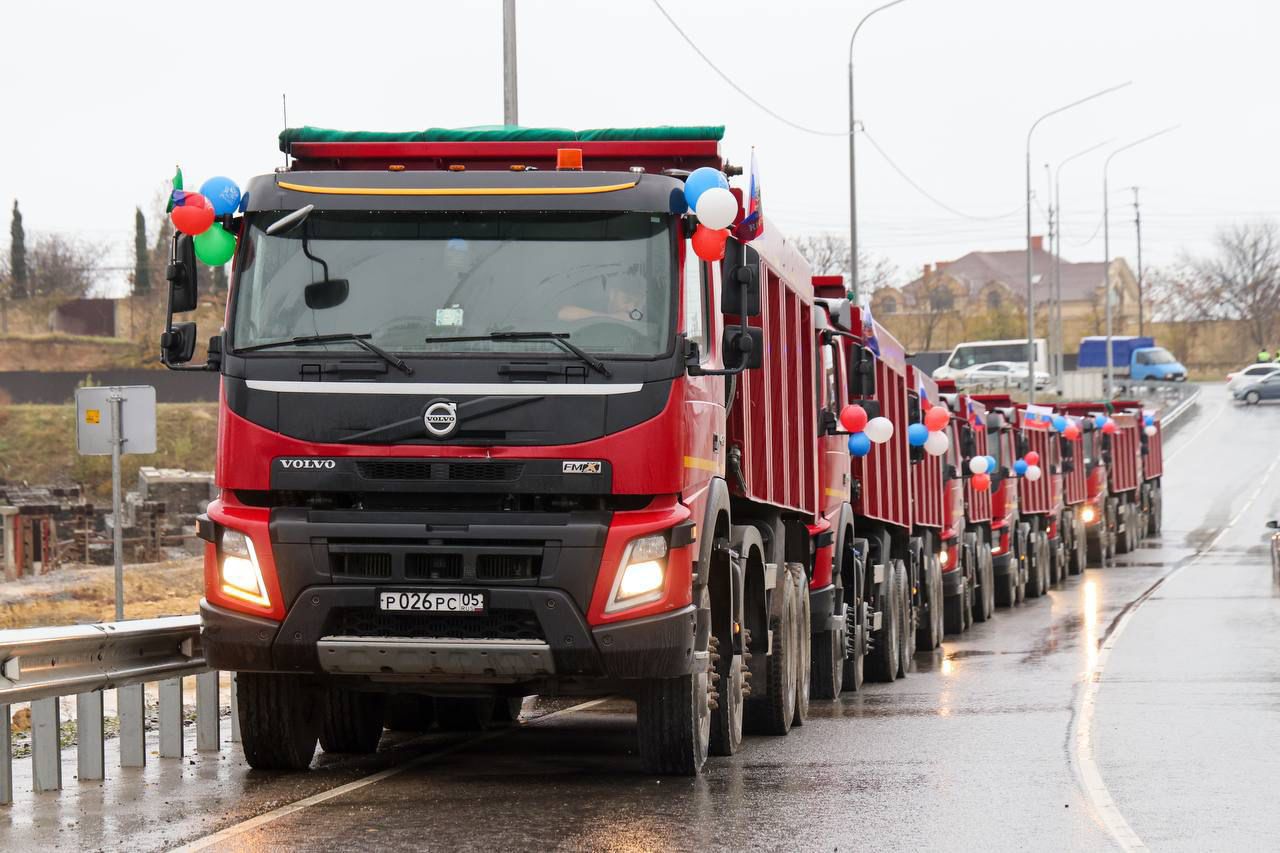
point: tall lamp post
(1106, 247)
(853, 195)
(1031, 305)
(1058, 354)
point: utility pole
(510, 115)
(1137, 224)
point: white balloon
(937, 443)
(879, 430)
(717, 208)
(1033, 473)
(1149, 430)
(978, 464)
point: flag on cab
(1037, 417)
(975, 418)
(752, 224)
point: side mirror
(182, 276)
(1024, 446)
(743, 348)
(178, 344)
(827, 423)
(968, 444)
(1273, 525)
(741, 295)
(862, 372)
(1068, 466)
(950, 472)
(329, 293)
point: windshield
(968, 356)
(1158, 355)
(604, 278)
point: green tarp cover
(500, 133)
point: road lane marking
(253, 823)
(1095, 789)
(1183, 445)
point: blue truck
(1134, 356)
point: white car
(1246, 376)
(1000, 374)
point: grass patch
(38, 446)
(84, 595)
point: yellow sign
(92, 416)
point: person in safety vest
(1263, 355)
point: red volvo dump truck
(1075, 492)
(937, 512)
(1115, 510)
(489, 428)
(1151, 438)
(1010, 535)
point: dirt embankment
(76, 595)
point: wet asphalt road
(1008, 738)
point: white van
(971, 353)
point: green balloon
(215, 246)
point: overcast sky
(101, 99)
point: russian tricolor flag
(974, 417)
(1037, 417)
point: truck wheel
(1036, 568)
(828, 663)
(465, 713)
(1155, 517)
(352, 721)
(280, 719)
(953, 614)
(882, 662)
(1078, 555)
(506, 709)
(984, 600)
(856, 637)
(804, 655)
(906, 624)
(1124, 538)
(674, 714)
(929, 632)
(409, 712)
(1022, 563)
(773, 712)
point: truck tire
(857, 636)
(352, 721)
(728, 667)
(1036, 568)
(772, 712)
(409, 712)
(465, 713)
(280, 719)
(673, 715)
(882, 662)
(1124, 538)
(929, 632)
(804, 634)
(507, 709)
(1078, 555)
(1155, 518)
(906, 622)
(984, 599)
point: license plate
(433, 602)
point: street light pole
(1060, 351)
(853, 172)
(1031, 305)
(510, 113)
(1137, 224)
(1106, 247)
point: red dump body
(932, 504)
(1075, 487)
(974, 413)
(1126, 453)
(1153, 457)
(885, 473)
(1044, 496)
(773, 418)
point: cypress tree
(142, 256)
(18, 254)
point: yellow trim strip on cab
(305, 188)
(837, 493)
(702, 464)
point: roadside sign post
(107, 420)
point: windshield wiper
(560, 339)
(360, 340)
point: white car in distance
(1250, 374)
(1000, 374)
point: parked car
(1246, 376)
(1000, 374)
(1267, 388)
(1274, 527)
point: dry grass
(83, 594)
(38, 445)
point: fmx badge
(580, 468)
(441, 418)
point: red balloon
(853, 418)
(981, 482)
(1109, 428)
(1032, 458)
(936, 418)
(193, 215)
(708, 244)
(1072, 432)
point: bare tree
(828, 254)
(62, 266)
(1241, 281)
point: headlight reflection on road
(1089, 612)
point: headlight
(643, 573)
(943, 556)
(1088, 514)
(238, 568)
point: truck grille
(494, 625)
(358, 565)
(421, 567)
(507, 567)
(422, 469)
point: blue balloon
(1020, 467)
(859, 444)
(1059, 423)
(222, 193)
(1149, 420)
(1100, 421)
(699, 181)
(917, 435)
(991, 464)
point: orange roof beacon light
(568, 159)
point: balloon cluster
(194, 214)
(1104, 423)
(706, 191)
(929, 433)
(981, 468)
(1028, 466)
(1149, 424)
(1071, 433)
(864, 431)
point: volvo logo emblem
(308, 463)
(441, 418)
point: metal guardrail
(42, 665)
